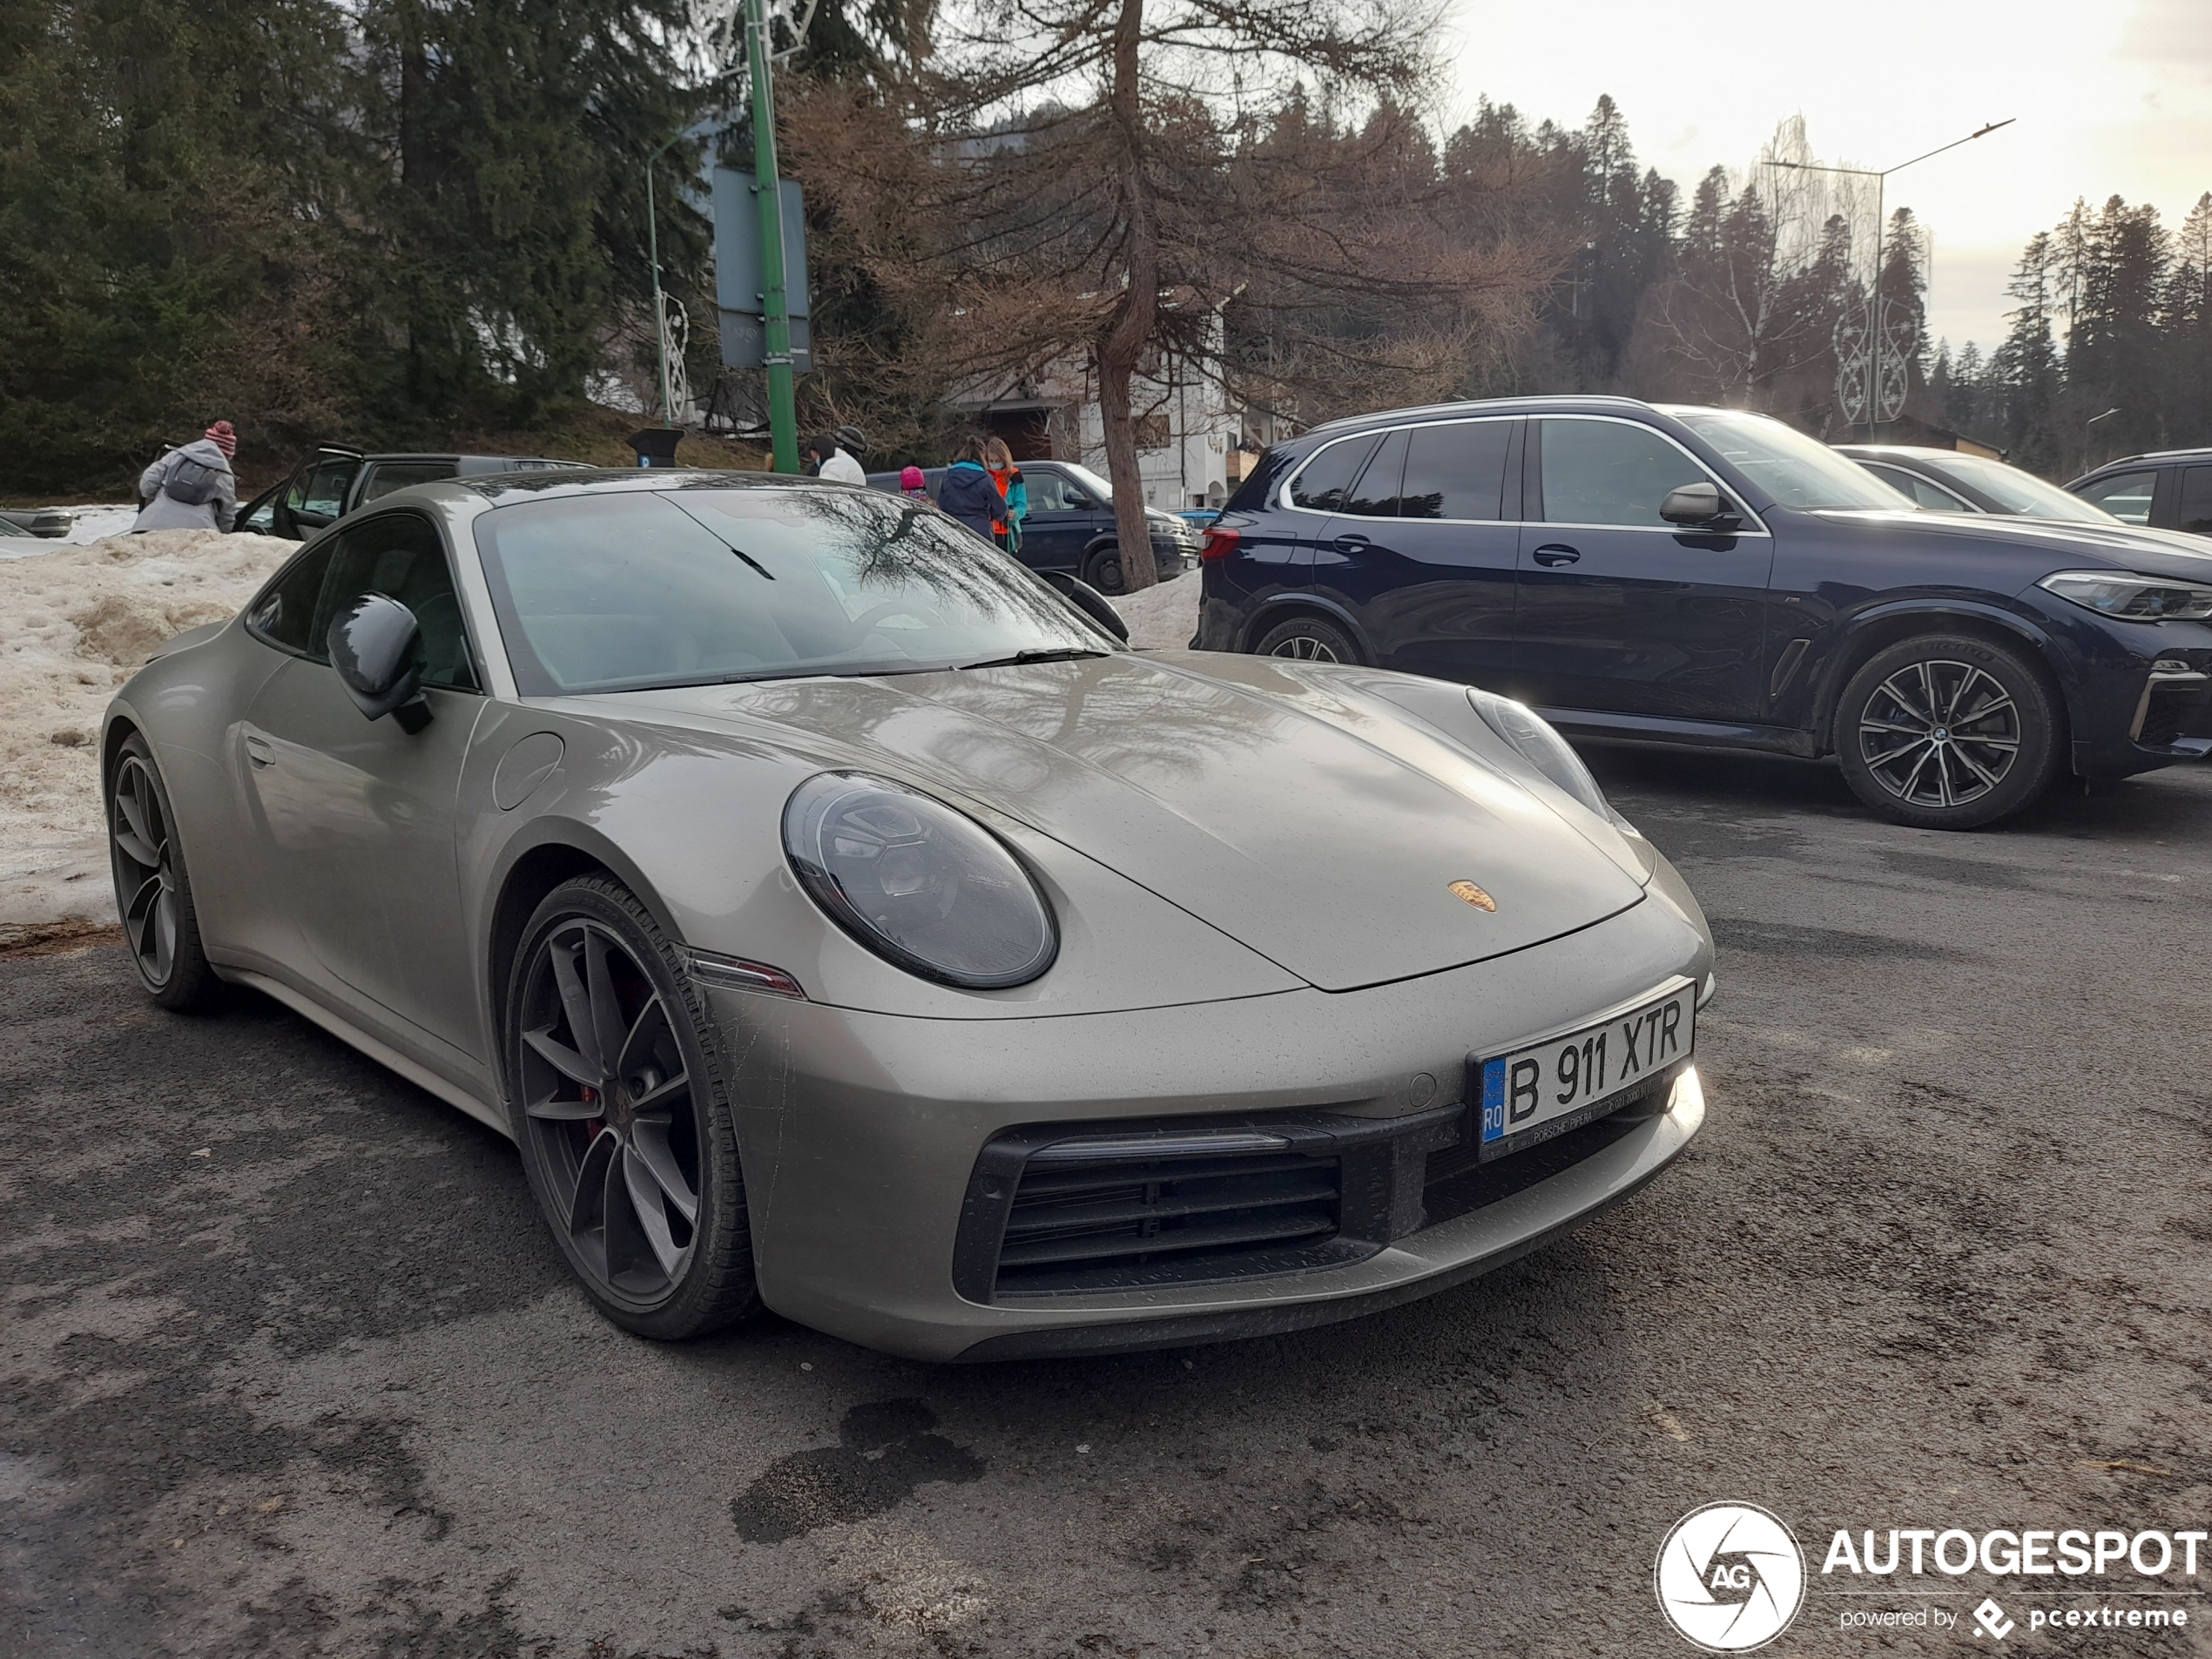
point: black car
(1945, 480)
(1071, 525)
(2170, 489)
(1713, 577)
(333, 483)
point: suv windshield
(1797, 471)
(2022, 492)
(708, 583)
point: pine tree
(163, 246)
(2187, 317)
(2026, 366)
(505, 217)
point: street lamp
(660, 311)
(1878, 336)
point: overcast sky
(2111, 97)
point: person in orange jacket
(1014, 494)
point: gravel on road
(289, 1368)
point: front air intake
(1126, 1222)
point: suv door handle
(259, 753)
(1555, 553)
(1351, 544)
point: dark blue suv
(1712, 576)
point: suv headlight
(2132, 597)
(1541, 744)
(922, 886)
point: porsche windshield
(694, 585)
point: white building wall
(1193, 469)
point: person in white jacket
(192, 487)
(831, 462)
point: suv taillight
(1220, 544)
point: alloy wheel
(146, 873)
(1940, 733)
(607, 1096)
(1306, 648)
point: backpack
(192, 482)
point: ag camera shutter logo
(1730, 1577)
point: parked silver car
(840, 920)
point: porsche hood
(1328, 833)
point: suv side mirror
(1700, 504)
(375, 645)
(1088, 599)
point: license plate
(1549, 1088)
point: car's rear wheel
(1308, 640)
(1103, 569)
(623, 1115)
(1949, 731)
(153, 893)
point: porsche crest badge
(1474, 895)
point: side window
(400, 555)
(324, 494)
(1376, 493)
(1455, 471)
(1047, 492)
(284, 614)
(2197, 500)
(1324, 482)
(2126, 496)
(1609, 472)
(389, 476)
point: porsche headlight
(1542, 747)
(920, 885)
(2132, 597)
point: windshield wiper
(1056, 654)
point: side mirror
(375, 645)
(1699, 504)
(1088, 599)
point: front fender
(1895, 618)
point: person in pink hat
(913, 485)
(191, 487)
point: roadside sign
(739, 284)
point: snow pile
(1162, 618)
(74, 624)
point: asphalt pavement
(287, 1366)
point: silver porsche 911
(842, 920)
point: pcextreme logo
(1730, 1577)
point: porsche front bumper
(860, 1135)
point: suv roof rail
(341, 449)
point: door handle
(1352, 544)
(1555, 553)
(258, 752)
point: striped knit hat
(225, 438)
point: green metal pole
(775, 315)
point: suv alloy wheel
(1948, 731)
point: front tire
(153, 893)
(1102, 570)
(1949, 731)
(1308, 640)
(624, 1118)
